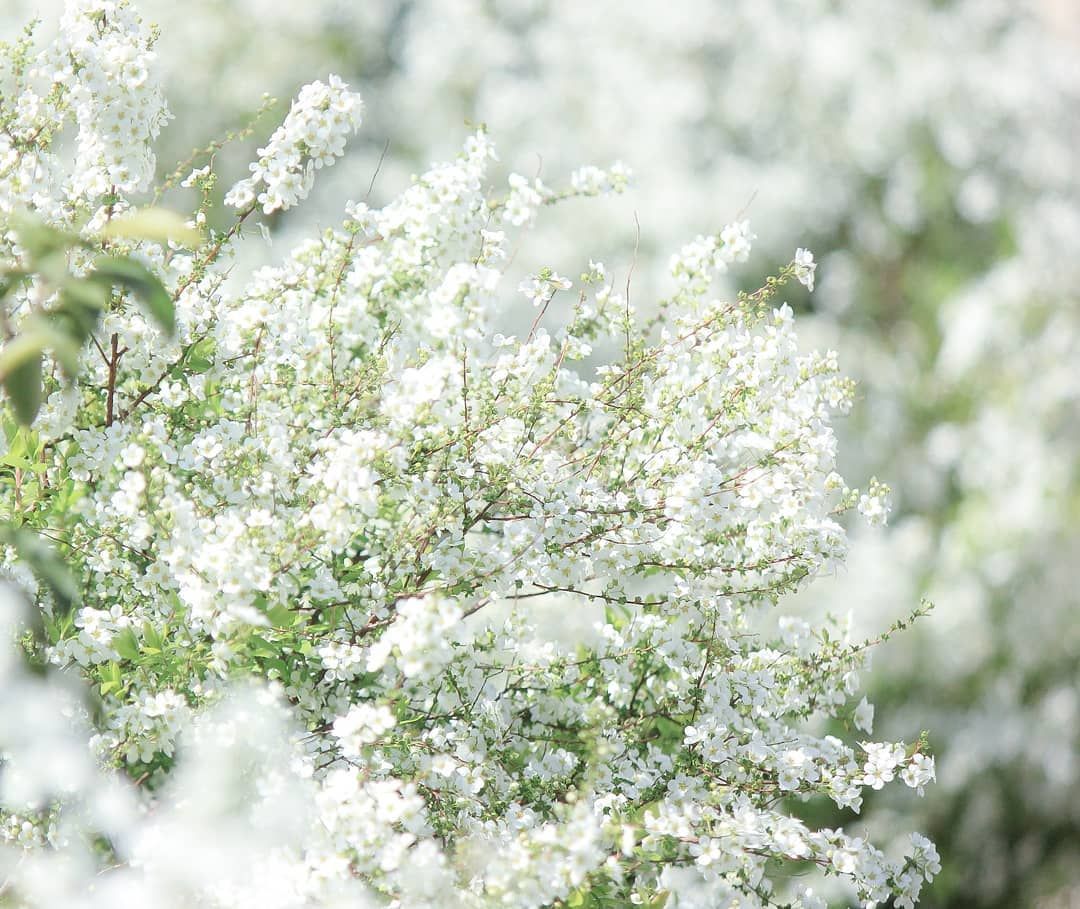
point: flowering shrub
(933, 159)
(317, 525)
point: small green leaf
(281, 616)
(10, 460)
(137, 278)
(19, 445)
(22, 463)
(157, 224)
(38, 334)
(200, 356)
(22, 382)
(151, 636)
(47, 566)
(127, 645)
(280, 665)
(262, 647)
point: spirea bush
(321, 513)
(932, 163)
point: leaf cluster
(67, 307)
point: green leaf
(157, 224)
(65, 350)
(85, 299)
(127, 645)
(669, 731)
(261, 647)
(113, 679)
(22, 382)
(136, 277)
(47, 566)
(38, 333)
(280, 665)
(21, 356)
(41, 242)
(22, 462)
(151, 636)
(281, 616)
(9, 280)
(46, 247)
(12, 460)
(200, 356)
(19, 445)
(25, 346)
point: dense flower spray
(318, 524)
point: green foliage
(66, 310)
(121, 271)
(67, 306)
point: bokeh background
(928, 151)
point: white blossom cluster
(342, 495)
(102, 67)
(312, 136)
(98, 75)
(934, 158)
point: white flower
(363, 725)
(312, 136)
(919, 772)
(874, 504)
(736, 240)
(805, 267)
(524, 200)
(864, 716)
(197, 175)
(132, 455)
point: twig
(378, 167)
(114, 362)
